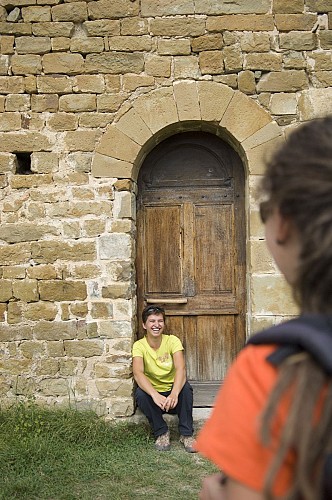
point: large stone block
(288, 6)
(315, 103)
(158, 65)
(106, 166)
(87, 45)
(325, 38)
(283, 81)
(298, 41)
(255, 42)
(177, 27)
(319, 5)
(232, 7)
(36, 13)
(295, 22)
(103, 27)
(283, 104)
(77, 103)
(263, 62)
(176, 47)
(270, 295)
(241, 22)
(157, 109)
(114, 63)
(33, 45)
(81, 140)
(84, 348)
(10, 122)
(29, 64)
(187, 102)
(211, 62)
(115, 329)
(132, 125)
(115, 246)
(112, 9)
(16, 233)
(41, 311)
(25, 141)
(116, 144)
(53, 29)
(11, 85)
(68, 64)
(55, 330)
(59, 290)
(243, 117)
(186, 67)
(54, 387)
(214, 99)
(47, 252)
(130, 43)
(73, 11)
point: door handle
(183, 300)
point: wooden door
(191, 251)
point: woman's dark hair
(298, 181)
(148, 310)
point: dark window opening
(23, 163)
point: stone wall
(86, 90)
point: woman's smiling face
(154, 325)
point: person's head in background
(298, 213)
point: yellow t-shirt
(158, 365)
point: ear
(144, 326)
(283, 228)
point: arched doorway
(191, 251)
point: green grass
(67, 455)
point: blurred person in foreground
(270, 432)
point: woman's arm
(144, 383)
(179, 380)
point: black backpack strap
(327, 479)
(310, 333)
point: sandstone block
(207, 42)
(132, 82)
(255, 42)
(241, 22)
(288, 6)
(7, 44)
(263, 62)
(213, 100)
(42, 272)
(95, 119)
(28, 181)
(114, 63)
(55, 84)
(171, 27)
(16, 233)
(41, 311)
(10, 122)
(294, 60)
(55, 349)
(115, 386)
(13, 28)
(319, 5)
(31, 349)
(211, 62)
(63, 63)
(285, 81)
(295, 22)
(15, 312)
(84, 348)
(158, 65)
(32, 45)
(17, 102)
(46, 102)
(260, 258)
(321, 61)
(105, 166)
(324, 78)
(15, 366)
(6, 291)
(252, 118)
(11, 84)
(186, 97)
(26, 290)
(157, 110)
(73, 11)
(86, 45)
(284, 104)
(9, 333)
(116, 144)
(101, 310)
(55, 330)
(4, 64)
(298, 41)
(77, 103)
(109, 103)
(271, 296)
(247, 82)
(115, 329)
(62, 290)
(93, 84)
(60, 44)
(13, 272)
(81, 140)
(106, 370)
(24, 141)
(103, 27)
(152, 8)
(315, 103)
(36, 14)
(3, 310)
(326, 39)
(63, 121)
(80, 309)
(186, 67)
(130, 43)
(54, 387)
(134, 26)
(50, 251)
(132, 125)
(176, 47)
(232, 7)
(48, 367)
(233, 59)
(258, 155)
(14, 254)
(26, 64)
(44, 162)
(68, 367)
(117, 291)
(104, 9)
(115, 246)
(53, 29)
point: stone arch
(185, 105)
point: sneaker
(188, 443)
(163, 443)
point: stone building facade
(87, 89)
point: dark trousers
(154, 414)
